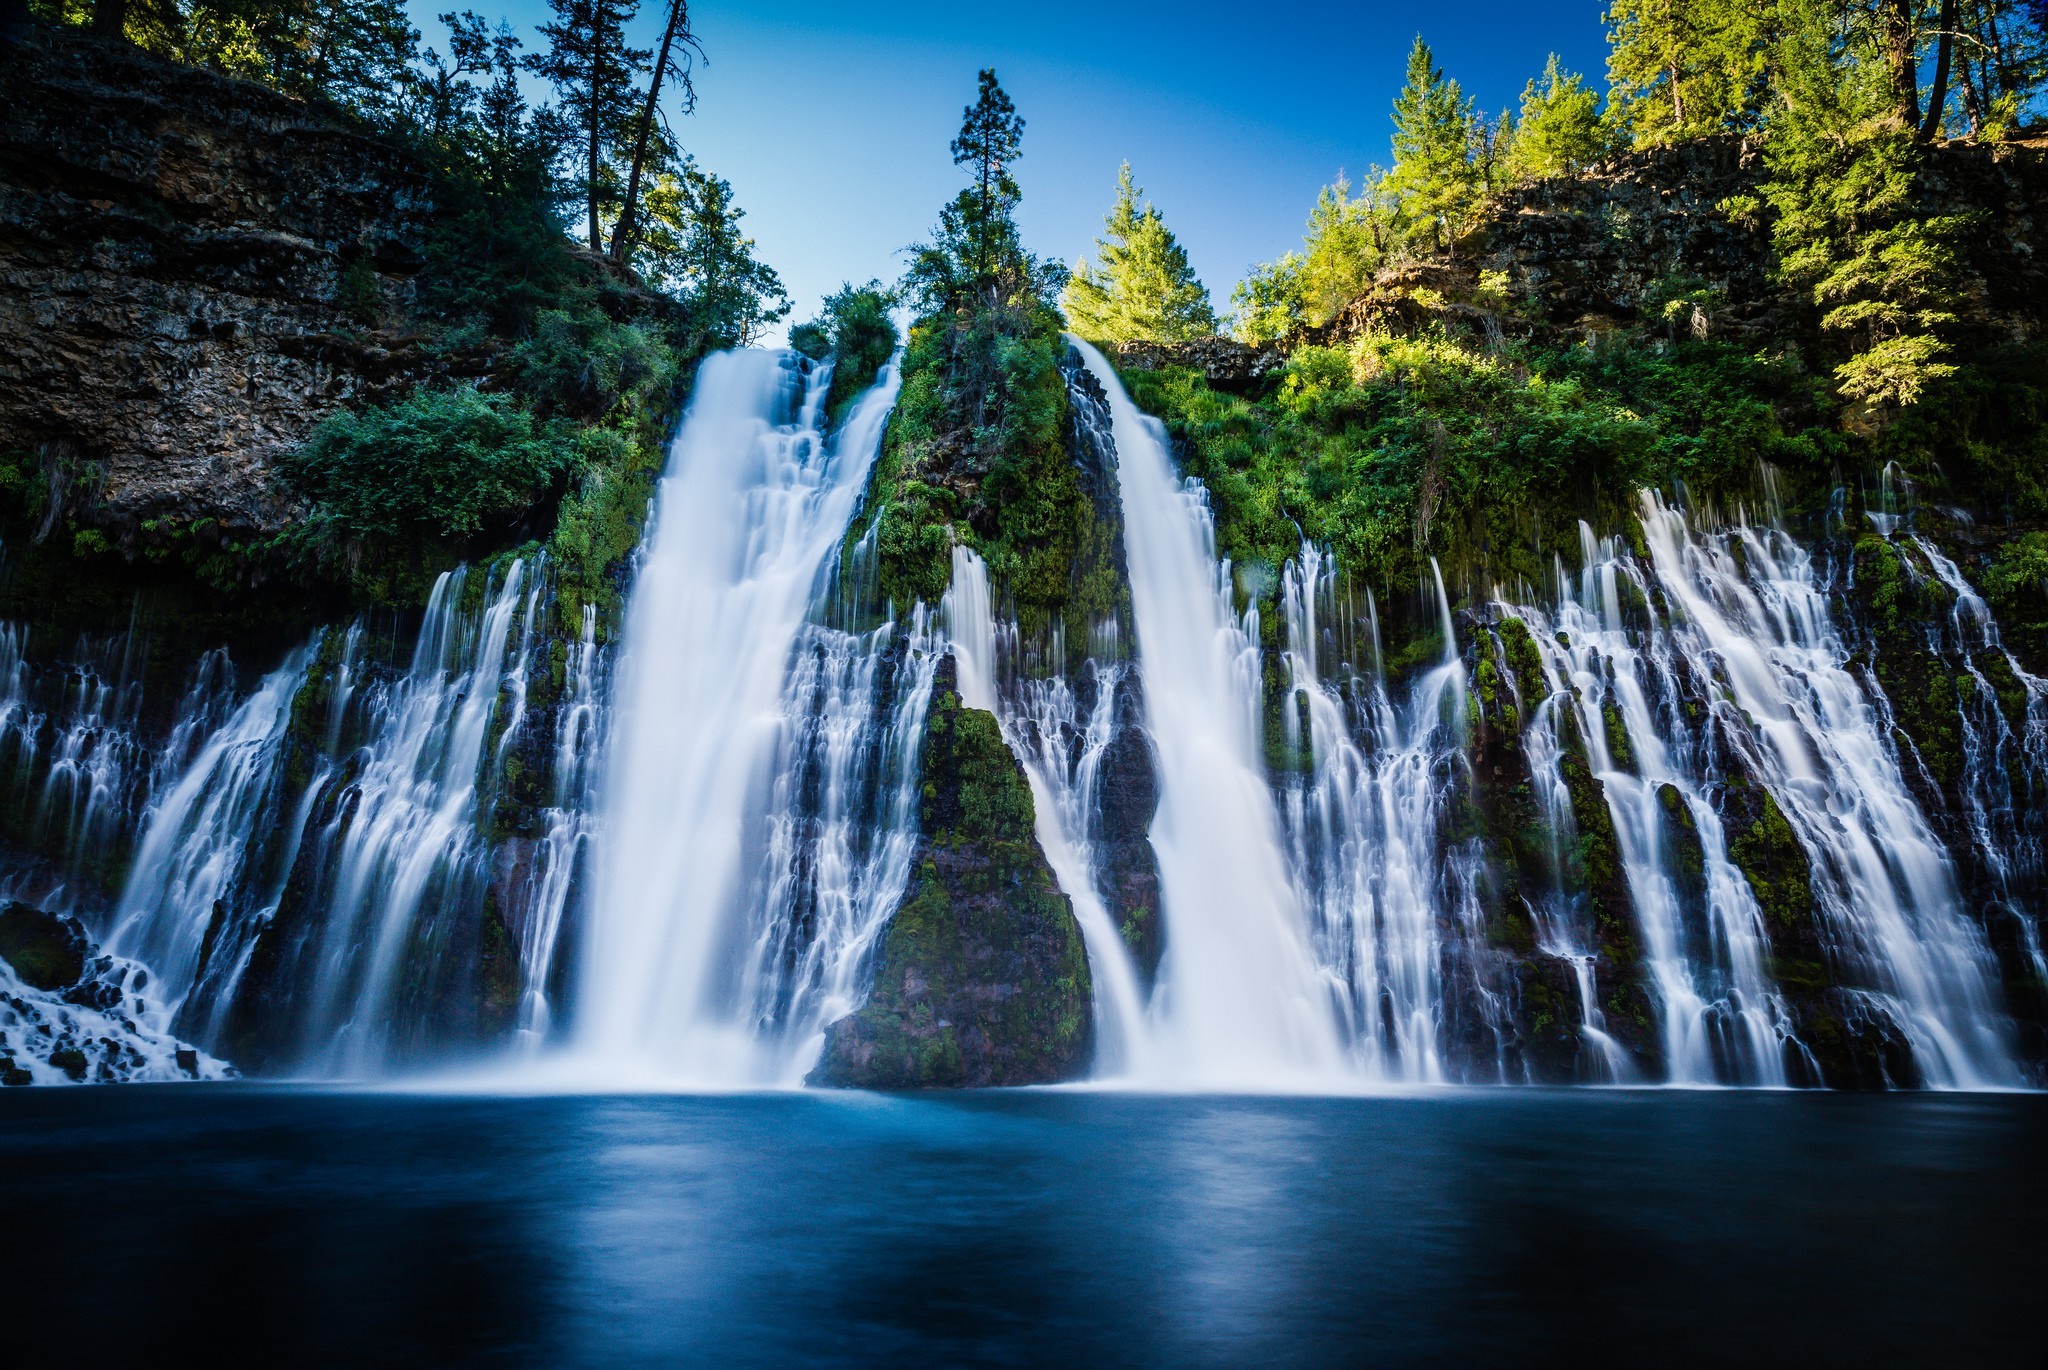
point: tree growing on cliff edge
(653, 146)
(975, 253)
(593, 70)
(1143, 289)
(991, 138)
(1433, 174)
(1559, 132)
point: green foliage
(436, 465)
(1433, 172)
(691, 245)
(1397, 449)
(582, 365)
(1851, 228)
(1679, 69)
(1559, 132)
(1143, 289)
(975, 257)
(856, 330)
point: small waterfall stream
(1062, 755)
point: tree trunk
(596, 237)
(110, 19)
(1901, 53)
(622, 232)
(1937, 94)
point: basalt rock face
(192, 274)
(982, 977)
(1224, 363)
(1574, 258)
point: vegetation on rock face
(853, 329)
(977, 450)
(1394, 450)
(537, 361)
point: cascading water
(398, 844)
(1736, 624)
(1243, 999)
(684, 969)
(1720, 1016)
(1062, 756)
(192, 907)
(1365, 827)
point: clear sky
(832, 119)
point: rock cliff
(193, 272)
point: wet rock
(46, 950)
(981, 977)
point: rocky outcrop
(981, 977)
(194, 271)
(1569, 259)
(1224, 362)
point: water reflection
(330, 1227)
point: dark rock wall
(172, 252)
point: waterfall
(2003, 732)
(1243, 999)
(681, 973)
(1364, 826)
(192, 907)
(398, 844)
(1721, 667)
(1720, 1016)
(1062, 754)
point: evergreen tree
(672, 61)
(1851, 226)
(1269, 304)
(975, 252)
(1559, 132)
(1677, 69)
(593, 71)
(991, 138)
(1143, 290)
(694, 246)
(1433, 174)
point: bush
(436, 465)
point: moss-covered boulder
(46, 950)
(982, 977)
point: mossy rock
(46, 950)
(982, 976)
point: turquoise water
(300, 1226)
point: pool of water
(1455, 1228)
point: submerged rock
(982, 977)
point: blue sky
(832, 120)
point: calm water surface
(1456, 1228)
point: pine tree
(1559, 132)
(1433, 174)
(991, 138)
(1851, 225)
(1678, 69)
(593, 71)
(694, 246)
(671, 61)
(1143, 289)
